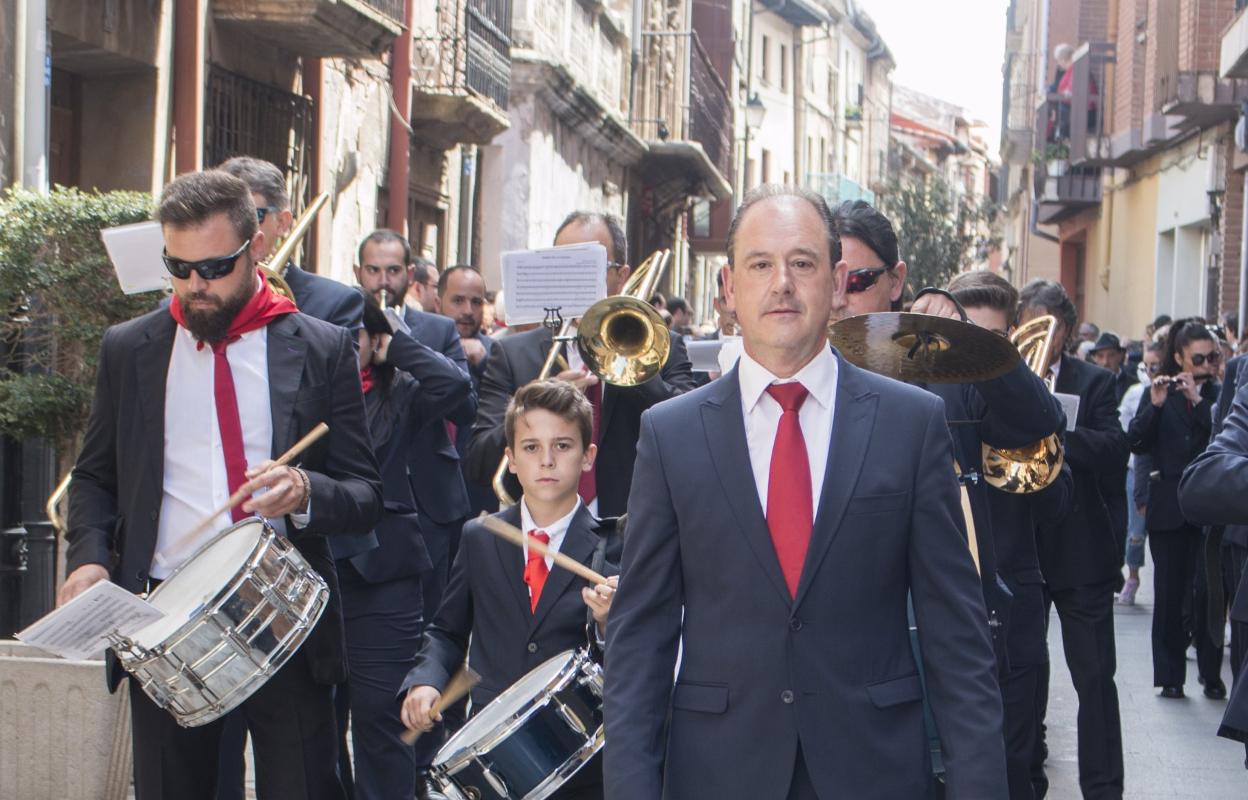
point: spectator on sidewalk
(1139, 468)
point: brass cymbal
(921, 348)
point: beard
(212, 325)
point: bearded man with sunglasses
(191, 403)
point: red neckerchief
(263, 307)
(366, 379)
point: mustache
(200, 297)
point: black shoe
(1215, 690)
(1173, 692)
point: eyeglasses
(210, 269)
(1152, 369)
(1199, 359)
(264, 211)
(863, 279)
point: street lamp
(755, 111)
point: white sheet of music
(1070, 404)
(135, 252)
(79, 629)
(571, 278)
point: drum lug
(496, 783)
(561, 708)
(124, 644)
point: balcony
(837, 189)
(682, 112)
(1059, 196)
(461, 73)
(1203, 99)
(318, 28)
(1234, 61)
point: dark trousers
(383, 624)
(442, 542)
(1022, 728)
(1234, 558)
(1040, 751)
(291, 719)
(232, 763)
(1176, 554)
(1087, 618)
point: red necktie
(228, 422)
(587, 487)
(263, 307)
(790, 513)
(535, 570)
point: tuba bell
(1023, 470)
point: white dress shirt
(762, 417)
(556, 531)
(195, 482)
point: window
(784, 68)
(701, 219)
(764, 74)
(766, 176)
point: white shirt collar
(818, 376)
(555, 530)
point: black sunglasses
(264, 211)
(1199, 359)
(210, 269)
(860, 280)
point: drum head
(511, 704)
(200, 579)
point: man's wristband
(307, 489)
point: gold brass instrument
(273, 267)
(1023, 470)
(621, 339)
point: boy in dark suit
(519, 611)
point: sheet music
(135, 252)
(572, 278)
(79, 629)
(1070, 404)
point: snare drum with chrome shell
(531, 739)
(235, 612)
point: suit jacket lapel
(152, 363)
(578, 543)
(286, 356)
(724, 426)
(511, 559)
(852, 422)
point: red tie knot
(790, 396)
(541, 536)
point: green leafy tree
(941, 232)
(58, 294)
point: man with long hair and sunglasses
(192, 402)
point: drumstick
(514, 535)
(460, 684)
(239, 496)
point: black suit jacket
(424, 385)
(1085, 548)
(117, 488)
(434, 463)
(1011, 411)
(1014, 521)
(480, 497)
(1172, 436)
(517, 360)
(832, 670)
(1233, 534)
(326, 299)
(485, 614)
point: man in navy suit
(782, 569)
(1082, 556)
(317, 296)
(461, 297)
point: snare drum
(235, 612)
(531, 739)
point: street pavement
(1170, 747)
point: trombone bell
(623, 340)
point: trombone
(276, 263)
(1023, 470)
(621, 339)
